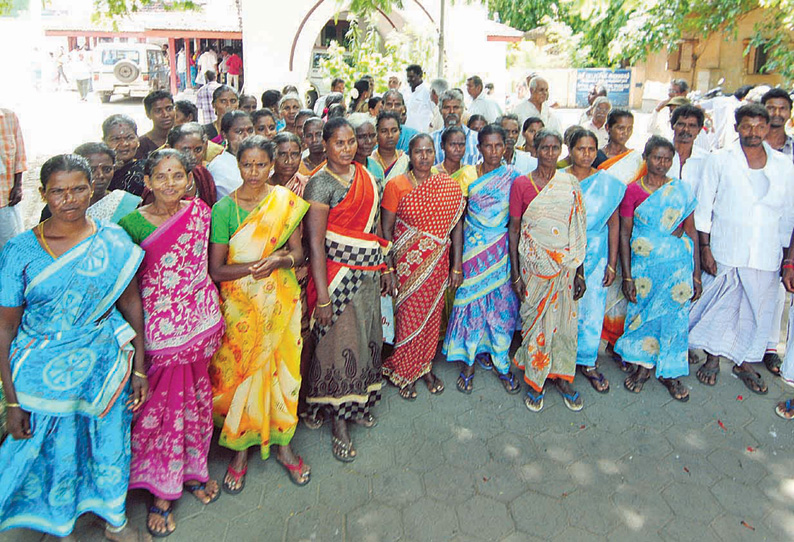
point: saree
(657, 325)
(171, 434)
(551, 246)
(602, 193)
(71, 362)
(114, 206)
(627, 167)
(425, 219)
(344, 375)
(485, 309)
(397, 168)
(255, 373)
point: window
(111, 56)
(756, 58)
(682, 58)
(334, 32)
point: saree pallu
(256, 371)
(551, 247)
(113, 207)
(399, 167)
(425, 218)
(171, 434)
(345, 374)
(662, 264)
(602, 194)
(71, 361)
(485, 309)
(296, 185)
(627, 168)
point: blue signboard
(618, 83)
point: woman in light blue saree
(72, 367)
(602, 194)
(661, 272)
(485, 310)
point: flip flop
(534, 403)
(773, 362)
(510, 378)
(570, 401)
(164, 514)
(782, 412)
(466, 381)
(750, 377)
(342, 450)
(705, 372)
(673, 386)
(593, 379)
(239, 477)
(485, 366)
(294, 472)
(201, 487)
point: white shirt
(527, 109)
(206, 62)
(225, 173)
(419, 108)
(523, 162)
(693, 168)
(722, 110)
(749, 222)
(601, 133)
(482, 105)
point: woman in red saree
(183, 327)
(420, 211)
(347, 278)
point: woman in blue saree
(602, 194)
(485, 310)
(661, 272)
(72, 367)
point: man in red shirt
(234, 67)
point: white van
(129, 69)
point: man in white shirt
(687, 122)
(481, 104)
(744, 217)
(419, 105)
(596, 122)
(659, 123)
(521, 160)
(537, 106)
(207, 61)
(437, 88)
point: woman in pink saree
(183, 326)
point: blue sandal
(202, 487)
(164, 514)
(571, 401)
(534, 403)
(463, 383)
(510, 379)
(485, 366)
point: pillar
(172, 63)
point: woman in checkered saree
(348, 276)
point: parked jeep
(129, 69)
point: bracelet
(788, 266)
(140, 375)
(697, 280)
(628, 280)
(323, 305)
(517, 279)
(384, 273)
(788, 261)
(702, 245)
(611, 269)
(457, 272)
(292, 259)
(13, 405)
(580, 276)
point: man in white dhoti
(744, 217)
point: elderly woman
(67, 356)
(111, 206)
(120, 133)
(235, 127)
(602, 193)
(348, 277)
(391, 160)
(484, 313)
(254, 246)
(420, 211)
(224, 99)
(661, 272)
(171, 436)
(547, 250)
(288, 107)
(366, 138)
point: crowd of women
(241, 286)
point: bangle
(704, 245)
(580, 276)
(697, 280)
(140, 375)
(387, 272)
(13, 405)
(323, 305)
(788, 261)
(292, 259)
(457, 272)
(628, 279)
(611, 269)
(788, 266)
(517, 279)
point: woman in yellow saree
(254, 244)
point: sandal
(675, 388)
(484, 360)
(464, 383)
(773, 363)
(435, 387)
(192, 488)
(312, 423)
(787, 412)
(369, 421)
(595, 378)
(635, 383)
(572, 401)
(408, 392)
(164, 514)
(705, 372)
(749, 378)
(534, 403)
(296, 472)
(343, 451)
(239, 478)
(509, 382)
(622, 365)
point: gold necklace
(268, 188)
(344, 182)
(413, 179)
(645, 187)
(44, 238)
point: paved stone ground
(483, 468)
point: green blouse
(137, 226)
(226, 218)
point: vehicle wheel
(104, 97)
(126, 72)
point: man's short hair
(154, 96)
(187, 108)
(534, 82)
(415, 68)
(776, 93)
(751, 111)
(682, 85)
(336, 81)
(450, 95)
(440, 86)
(475, 80)
(507, 116)
(616, 114)
(742, 91)
(210, 75)
(688, 111)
